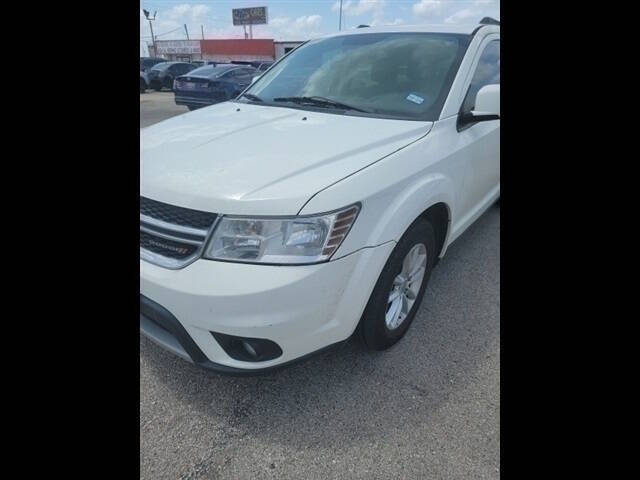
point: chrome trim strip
(166, 262)
(173, 227)
(166, 236)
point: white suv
(315, 205)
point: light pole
(340, 25)
(153, 39)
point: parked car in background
(261, 67)
(202, 63)
(242, 62)
(163, 74)
(314, 206)
(212, 84)
(144, 82)
(146, 63)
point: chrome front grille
(172, 236)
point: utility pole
(153, 38)
(186, 31)
(340, 24)
(202, 29)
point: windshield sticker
(415, 98)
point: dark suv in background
(163, 74)
(147, 62)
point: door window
(487, 73)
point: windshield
(405, 75)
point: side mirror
(487, 107)
(487, 104)
(254, 78)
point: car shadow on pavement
(352, 394)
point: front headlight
(281, 240)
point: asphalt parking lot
(158, 106)
(429, 408)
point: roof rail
(489, 21)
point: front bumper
(156, 82)
(182, 99)
(304, 309)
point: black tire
(373, 330)
(192, 107)
(143, 86)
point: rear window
(206, 71)
(227, 71)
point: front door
(482, 175)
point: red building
(228, 50)
(219, 50)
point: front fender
(393, 193)
(408, 205)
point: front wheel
(398, 293)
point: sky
(304, 19)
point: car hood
(244, 159)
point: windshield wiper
(320, 102)
(252, 97)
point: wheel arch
(439, 215)
(430, 198)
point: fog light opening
(248, 349)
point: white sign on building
(168, 47)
